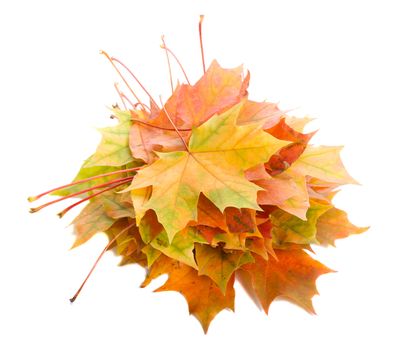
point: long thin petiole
(201, 43)
(135, 78)
(174, 126)
(34, 210)
(157, 127)
(168, 64)
(33, 198)
(121, 96)
(63, 212)
(178, 62)
(98, 259)
(121, 75)
(134, 105)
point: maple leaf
(189, 106)
(287, 190)
(99, 215)
(324, 163)
(128, 242)
(287, 155)
(209, 233)
(209, 214)
(92, 219)
(205, 299)
(334, 224)
(291, 276)
(219, 264)
(283, 131)
(229, 240)
(240, 221)
(218, 153)
(266, 112)
(146, 138)
(276, 190)
(299, 203)
(145, 141)
(298, 124)
(149, 227)
(218, 90)
(289, 228)
(117, 205)
(182, 246)
(261, 246)
(152, 254)
(114, 147)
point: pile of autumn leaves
(235, 193)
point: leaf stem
(33, 198)
(114, 59)
(121, 75)
(123, 179)
(201, 43)
(121, 96)
(98, 259)
(174, 126)
(63, 212)
(169, 66)
(134, 105)
(156, 126)
(164, 47)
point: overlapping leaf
(205, 299)
(323, 163)
(334, 224)
(218, 153)
(291, 276)
(288, 228)
(114, 147)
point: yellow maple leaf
(218, 153)
(323, 162)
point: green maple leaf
(218, 264)
(113, 149)
(182, 246)
(288, 228)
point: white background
(334, 60)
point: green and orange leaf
(218, 153)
